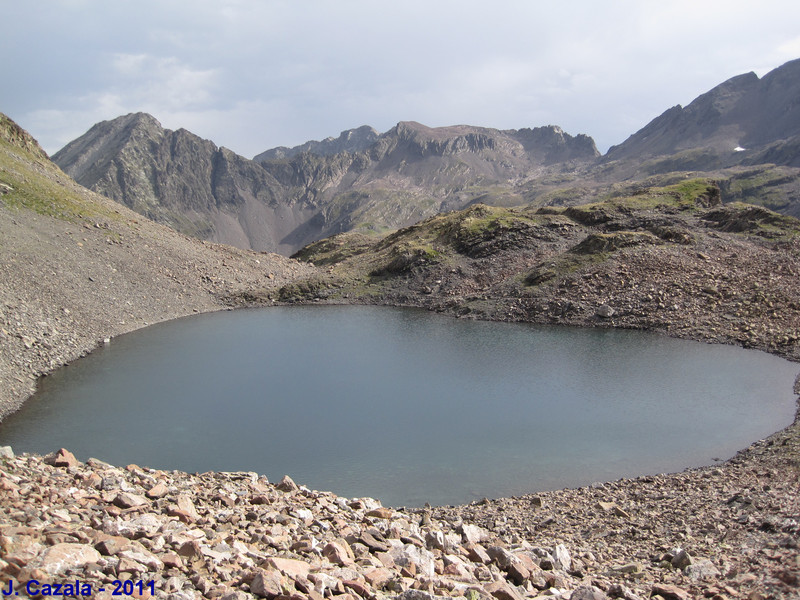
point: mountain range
(743, 133)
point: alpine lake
(404, 405)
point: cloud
(162, 82)
(255, 74)
(162, 86)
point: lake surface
(404, 405)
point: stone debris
(236, 536)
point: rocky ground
(77, 269)
(729, 531)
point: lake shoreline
(39, 335)
(531, 396)
(754, 490)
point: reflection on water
(404, 405)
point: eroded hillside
(671, 259)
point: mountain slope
(76, 267)
(282, 204)
(738, 121)
(177, 178)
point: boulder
(701, 569)
(501, 557)
(473, 534)
(129, 500)
(562, 559)
(409, 554)
(588, 592)
(159, 490)
(501, 590)
(61, 557)
(146, 525)
(289, 566)
(670, 592)
(267, 584)
(380, 513)
(604, 311)
(143, 557)
(287, 484)
(61, 458)
(681, 560)
(339, 553)
(478, 554)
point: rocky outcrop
(15, 135)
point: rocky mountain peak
(551, 144)
(87, 157)
(350, 140)
(742, 113)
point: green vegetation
(29, 180)
(739, 217)
(767, 186)
(335, 249)
(480, 218)
(404, 257)
(688, 195)
(557, 267)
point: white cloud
(162, 82)
(254, 74)
(788, 50)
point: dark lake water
(404, 405)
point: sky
(255, 74)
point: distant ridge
(359, 180)
(351, 140)
(739, 120)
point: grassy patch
(33, 182)
(553, 270)
(335, 249)
(764, 186)
(687, 195)
(739, 217)
(405, 257)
